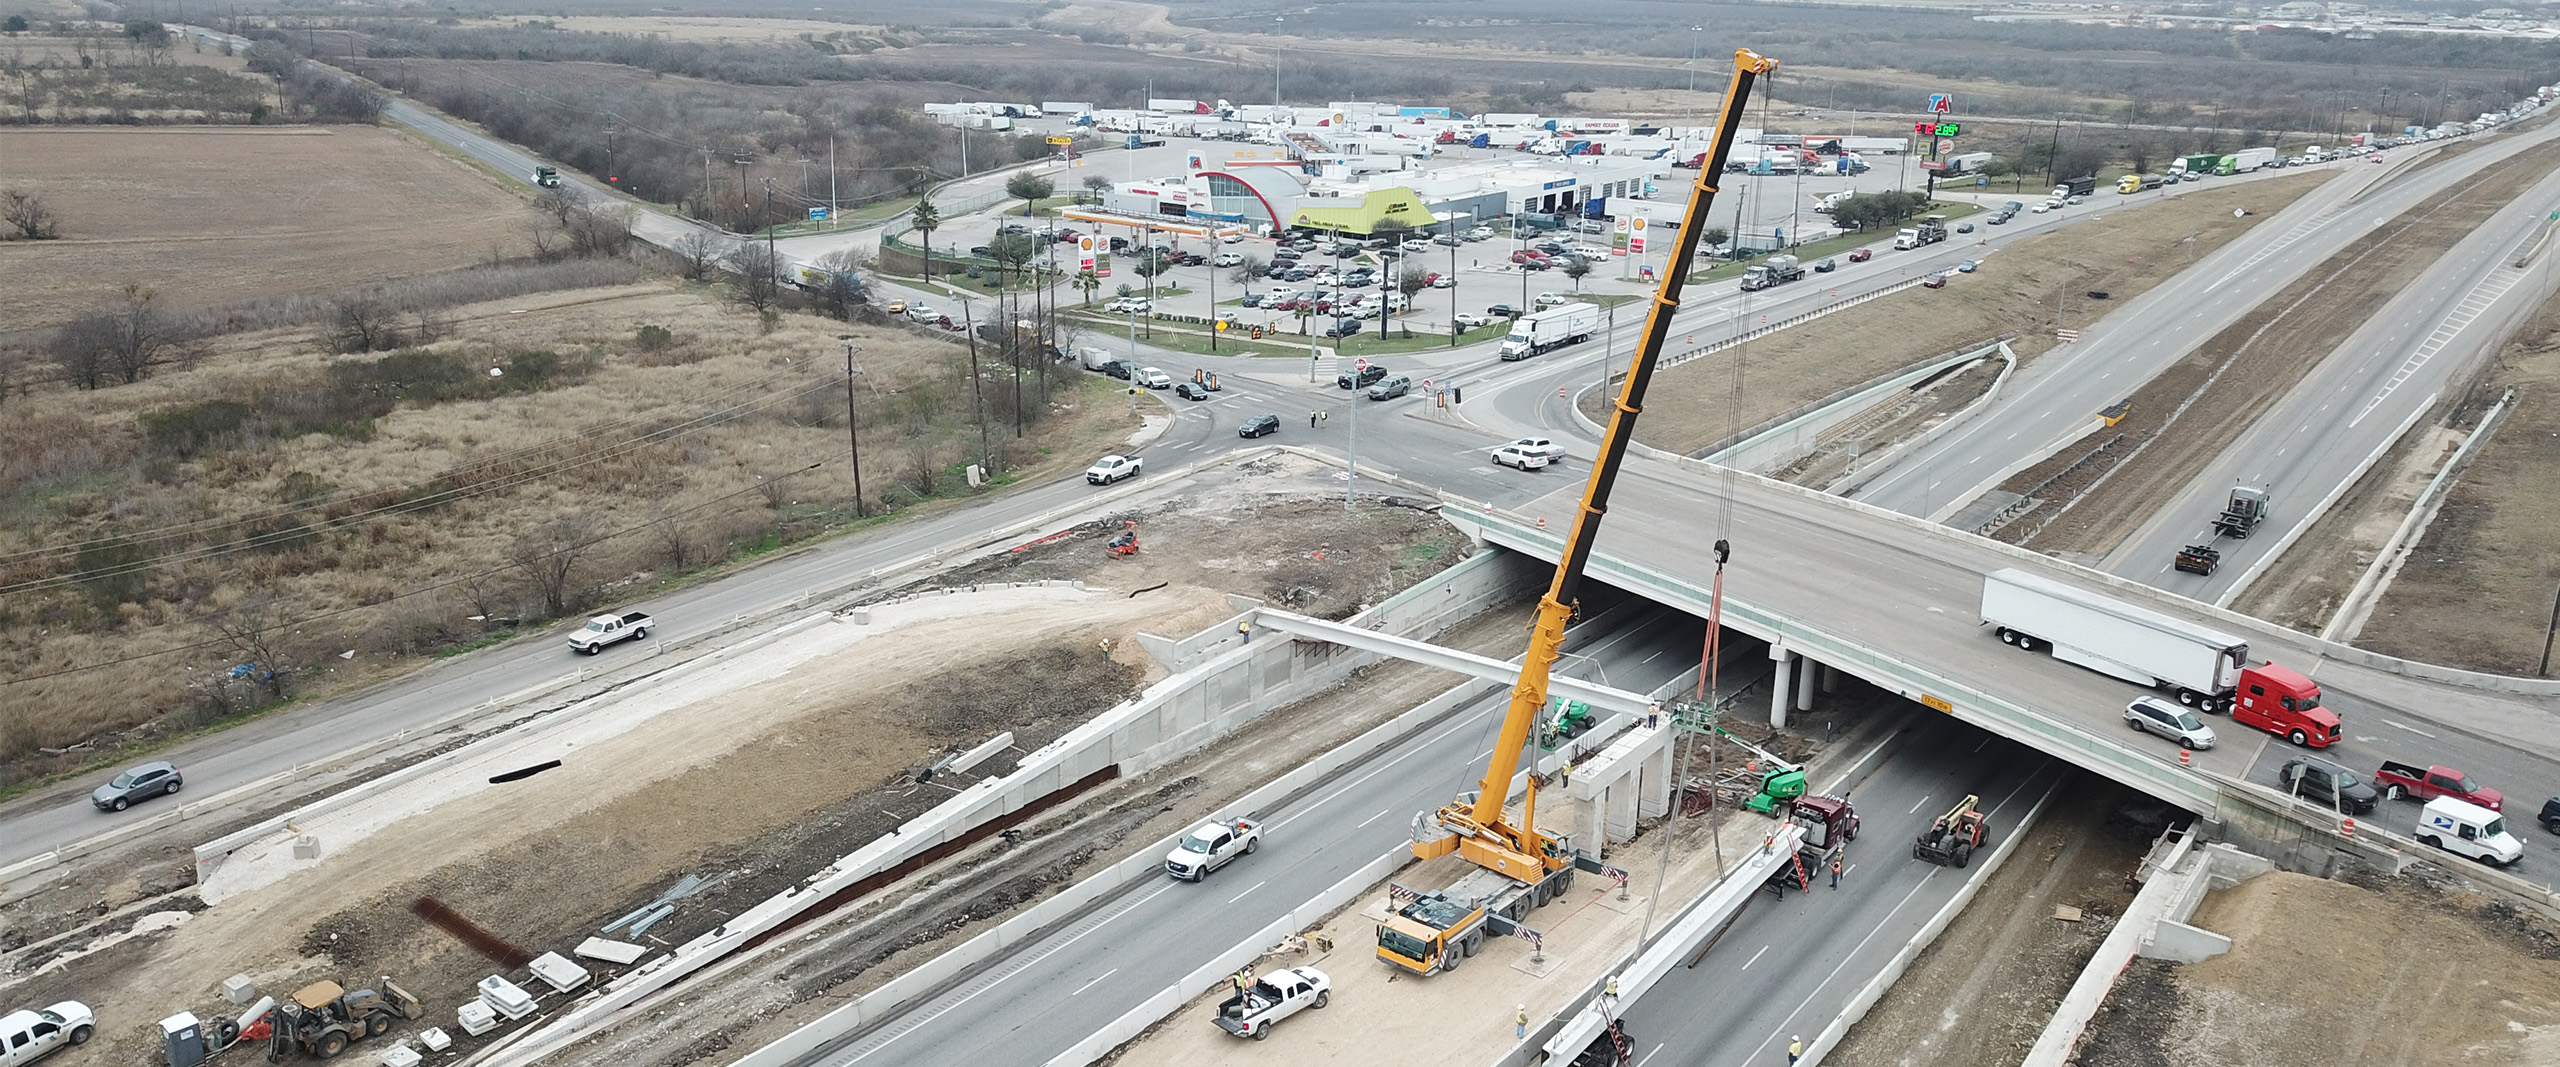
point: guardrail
(1757, 332)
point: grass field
(209, 215)
(372, 512)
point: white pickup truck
(1271, 998)
(1211, 846)
(28, 1035)
(606, 629)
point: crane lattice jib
(1556, 609)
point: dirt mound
(2393, 971)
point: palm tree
(924, 217)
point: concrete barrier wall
(2170, 896)
(1874, 990)
(1895, 454)
(1209, 975)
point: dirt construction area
(2403, 971)
(752, 771)
(2017, 292)
(214, 214)
(2476, 590)
(2190, 412)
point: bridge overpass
(1893, 600)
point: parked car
(2168, 720)
(1226, 259)
(1391, 388)
(1259, 426)
(1251, 300)
(158, 778)
(1415, 244)
(1861, 255)
(1232, 239)
(1119, 368)
(1110, 469)
(1356, 379)
(1345, 251)
(1442, 281)
(1551, 299)
(1503, 310)
(2327, 784)
(1254, 1009)
(1191, 391)
(1480, 233)
(1342, 328)
(1468, 320)
(1128, 304)
(1525, 256)
(1934, 281)
(1518, 458)
(1448, 240)
(1153, 378)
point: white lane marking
(2411, 729)
(1648, 1057)
(2463, 314)
(1096, 978)
(1382, 813)
(1755, 958)
(1248, 892)
(1924, 798)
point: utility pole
(977, 387)
(831, 182)
(852, 424)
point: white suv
(1519, 458)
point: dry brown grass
(210, 215)
(2124, 253)
(708, 438)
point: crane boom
(1474, 824)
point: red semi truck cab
(2283, 702)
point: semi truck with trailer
(1927, 231)
(2245, 160)
(2204, 668)
(2071, 187)
(1556, 327)
(1775, 270)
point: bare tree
(361, 322)
(26, 213)
(548, 557)
(80, 349)
(260, 635)
(759, 271)
(137, 337)
(696, 254)
(1097, 185)
(675, 538)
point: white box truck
(2202, 666)
(1556, 327)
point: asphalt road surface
(2062, 392)
(1132, 946)
(1801, 956)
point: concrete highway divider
(1135, 1021)
(1560, 1040)
(1144, 862)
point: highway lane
(1886, 586)
(2060, 393)
(2424, 342)
(1803, 956)
(1135, 944)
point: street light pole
(852, 423)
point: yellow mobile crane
(1521, 868)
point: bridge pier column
(1812, 676)
(1781, 681)
(1830, 679)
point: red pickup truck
(2400, 780)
